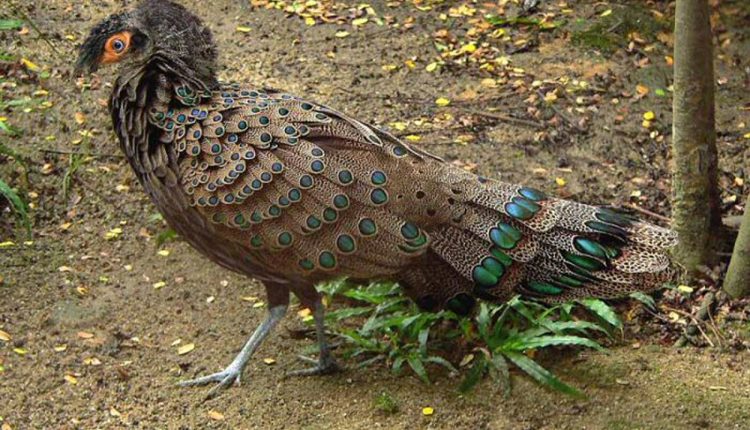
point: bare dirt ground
(93, 309)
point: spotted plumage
(292, 192)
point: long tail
(512, 240)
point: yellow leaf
(428, 411)
(442, 101)
(20, 351)
(216, 416)
(469, 48)
(306, 312)
(80, 118)
(685, 289)
(29, 65)
(606, 13)
(649, 116)
(113, 233)
(560, 181)
(342, 34)
(431, 67)
(60, 348)
(389, 67)
(249, 299)
(269, 361)
(7, 244)
(400, 126)
(746, 136)
(243, 29)
(410, 64)
(739, 181)
(114, 412)
(468, 358)
(163, 252)
(91, 361)
(310, 21)
(5, 336)
(184, 349)
(258, 305)
(641, 89)
(71, 379)
(413, 138)
(359, 22)
(160, 284)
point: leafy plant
(395, 331)
(18, 205)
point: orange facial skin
(117, 45)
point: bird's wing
(306, 187)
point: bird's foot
(325, 366)
(224, 379)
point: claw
(326, 366)
(223, 380)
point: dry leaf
(215, 415)
(184, 349)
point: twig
(504, 118)
(647, 212)
(90, 154)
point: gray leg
(232, 373)
(325, 364)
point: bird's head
(156, 30)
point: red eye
(115, 47)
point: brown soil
(72, 287)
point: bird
(293, 193)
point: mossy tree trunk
(696, 198)
(737, 282)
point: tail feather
(516, 240)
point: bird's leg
(231, 374)
(325, 363)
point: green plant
(394, 330)
(386, 403)
(18, 205)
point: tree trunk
(696, 197)
(737, 282)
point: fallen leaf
(243, 29)
(442, 101)
(428, 411)
(71, 379)
(184, 349)
(5, 336)
(649, 116)
(215, 415)
(160, 284)
(269, 361)
(85, 335)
